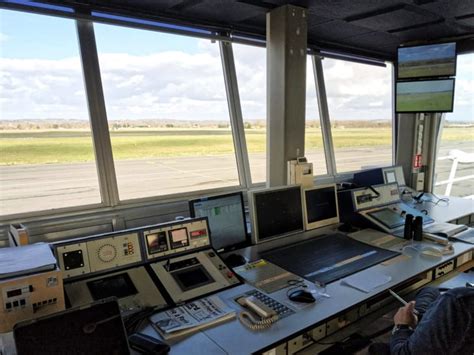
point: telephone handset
(267, 315)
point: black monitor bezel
(232, 247)
(426, 111)
(255, 216)
(412, 78)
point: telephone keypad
(281, 309)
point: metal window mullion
(97, 112)
(324, 115)
(235, 112)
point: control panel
(173, 238)
(376, 196)
(392, 217)
(193, 275)
(133, 287)
(98, 254)
(30, 297)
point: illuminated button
(230, 274)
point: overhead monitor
(425, 96)
(276, 212)
(434, 60)
(226, 217)
(320, 206)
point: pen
(401, 300)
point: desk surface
(454, 209)
(233, 338)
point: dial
(107, 253)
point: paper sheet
(366, 281)
(34, 257)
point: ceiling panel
(357, 26)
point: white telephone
(267, 315)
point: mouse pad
(328, 258)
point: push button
(8, 305)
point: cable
(252, 323)
(133, 321)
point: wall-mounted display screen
(156, 242)
(179, 238)
(425, 96)
(277, 212)
(120, 286)
(434, 60)
(226, 218)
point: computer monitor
(226, 218)
(276, 212)
(320, 206)
(433, 60)
(425, 96)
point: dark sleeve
(437, 333)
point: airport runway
(38, 187)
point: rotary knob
(107, 253)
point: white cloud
(179, 85)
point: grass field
(61, 146)
(416, 102)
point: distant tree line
(115, 125)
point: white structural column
(286, 89)
(97, 112)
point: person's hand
(406, 316)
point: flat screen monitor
(425, 96)
(276, 212)
(320, 206)
(226, 217)
(434, 60)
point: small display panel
(425, 96)
(321, 206)
(119, 286)
(179, 238)
(192, 277)
(226, 218)
(156, 242)
(390, 176)
(14, 293)
(388, 217)
(427, 61)
(277, 212)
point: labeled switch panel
(119, 250)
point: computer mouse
(302, 296)
(234, 260)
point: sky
(150, 75)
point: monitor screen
(432, 60)
(277, 212)
(156, 242)
(179, 238)
(320, 206)
(388, 217)
(425, 96)
(226, 219)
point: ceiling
(372, 28)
